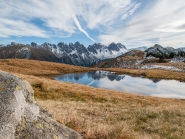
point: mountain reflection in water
(127, 83)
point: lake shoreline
(126, 83)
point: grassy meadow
(152, 73)
(99, 113)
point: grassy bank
(99, 113)
(41, 68)
(38, 68)
(152, 73)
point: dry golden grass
(153, 73)
(180, 65)
(38, 68)
(99, 113)
(104, 114)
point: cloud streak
(80, 28)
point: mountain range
(78, 54)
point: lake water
(127, 83)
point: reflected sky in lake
(127, 83)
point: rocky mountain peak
(77, 43)
(121, 45)
(96, 46)
(113, 47)
(47, 46)
(33, 44)
(157, 46)
(71, 44)
(80, 48)
(13, 43)
(60, 44)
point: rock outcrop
(131, 59)
(22, 118)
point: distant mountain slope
(168, 52)
(27, 52)
(181, 49)
(143, 48)
(127, 60)
(43, 54)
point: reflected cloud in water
(127, 83)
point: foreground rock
(22, 118)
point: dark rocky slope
(27, 52)
(130, 59)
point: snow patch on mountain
(178, 59)
(150, 57)
(2, 45)
(161, 67)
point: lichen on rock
(22, 118)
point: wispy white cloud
(130, 22)
(157, 22)
(19, 28)
(50, 13)
(60, 16)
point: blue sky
(134, 23)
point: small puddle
(127, 83)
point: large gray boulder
(22, 118)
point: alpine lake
(127, 83)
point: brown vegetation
(99, 113)
(135, 53)
(153, 73)
(38, 68)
